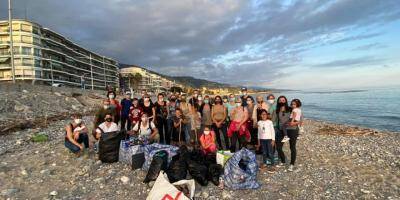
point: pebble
(125, 180)
(53, 193)
(9, 192)
(24, 172)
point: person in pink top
(207, 141)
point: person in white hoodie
(266, 139)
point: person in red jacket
(114, 105)
(136, 112)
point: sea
(374, 108)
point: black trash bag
(184, 153)
(177, 169)
(197, 156)
(210, 159)
(159, 162)
(109, 146)
(199, 172)
(214, 171)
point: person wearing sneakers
(75, 135)
(293, 129)
(266, 139)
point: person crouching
(207, 141)
(75, 135)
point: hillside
(186, 80)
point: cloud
(351, 62)
(233, 41)
(371, 46)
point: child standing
(266, 139)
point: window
(27, 62)
(16, 38)
(26, 51)
(16, 27)
(26, 39)
(4, 51)
(36, 52)
(37, 63)
(35, 30)
(36, 40)
(4, 39)
(26, 28)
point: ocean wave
(334, 92)
(388, 117)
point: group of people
(205, 122)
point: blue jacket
(125, 107)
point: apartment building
(149, 81)
(44, 56)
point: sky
(286, 44)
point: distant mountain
(186, 80)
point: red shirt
(135, 113)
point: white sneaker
(291, 168)
(285, 139)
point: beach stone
(9, 192)
(53, 193)
(125, 180)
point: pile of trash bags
(202, 168)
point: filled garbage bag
(109, 146)
(214, 172)
(159, 162)
(199, 172)
(240, 171)
(151, 150)
(163, 189)
(177, 169)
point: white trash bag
(163, 189)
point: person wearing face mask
(178, 130)
(171, 109)
(238, 131)
(218, 116)
(107, 126)
(147, 130)
(272, 111)
(148, 107)
(231, 105)
(207, 141)
(250, 122)
(76, 134)
(141, 100)
(283, 112)
(205, 111)
(244, 97)
(161, 117)
(126, 104)
(185, 108)
(135, 112)
(114, 106)
(194, 99)
(225, 100)
(101, 113)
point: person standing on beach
(205, 111)
(266, 139)
(250, 122)
(244, 97)
(218, 116)
(148, 108)
(194, 99)
(101, 113)
(178, 134)
(126, 104)
(293, 129)
(238, 131)
(231, 105)
(114, 106)
(135, 112)
(161, 117)
(171, 109)
(185, 108)
(283, 113)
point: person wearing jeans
(266, 139)
(218, 116)
(76, 134)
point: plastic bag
(163, 189)
(214, 172)
(240, 172)
(109, 146)
(199, 172)
(159, 162)
(177, 169)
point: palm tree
(130, 76)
